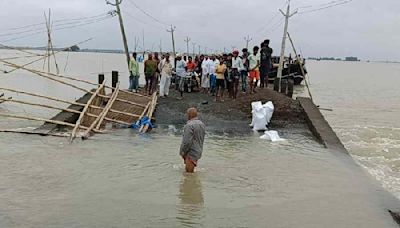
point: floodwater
(124, 179)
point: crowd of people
(214, 74)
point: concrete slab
(320, 127)
(64, 116)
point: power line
(146, 13)
(141, 21)
(57, 29)
(55, 22)
(326, 7)
(59, 25)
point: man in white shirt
(254, 64)
(212, 66)
(166, 73)
(205, 77)
(180, 73)
(237, 67)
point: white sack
(272, 136)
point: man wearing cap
(193, 139)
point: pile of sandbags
(262, 114)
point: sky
(368, 29)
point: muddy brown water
(123, 179)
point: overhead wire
(326, 7)
(55, 22)
(60, 27)
(146, 13)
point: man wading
(193, 139)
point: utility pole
(121, 24)
(160, 46)
(187, 40)
(287, 15)
(194, 47)
(248, 40)
(199, 49)
(173, 40)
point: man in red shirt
(191, 66)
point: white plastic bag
(262, 115)
(269, 108)
(272, 136)
(254, 105)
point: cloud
(361, 28)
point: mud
(230, 116)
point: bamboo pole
(108, 107)
(45, 76)
(79, 121)
(45, 120)
(61, 109)
(67, 102)
(144, 111)
(68, 84)
(301, 67)
(93, 125)
(40, 105)
(33, 133)
(144, 128)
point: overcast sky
(368, 29)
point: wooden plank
(78, 122)
(153, 105)
(108, 107)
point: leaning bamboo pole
(79, 121)
(66, 83)
(144, 128)
(45, 120)
(33, 132)
(39, 105)
(108, 107)
(66, 102)
(60, 109)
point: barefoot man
(193, 139)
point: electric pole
(287, 15)
(187, 40)
(160, 46)
(199, 49)
(173, 39)
(121, 24)
(248, 40)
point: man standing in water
(193, 140)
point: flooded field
(126, 180)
